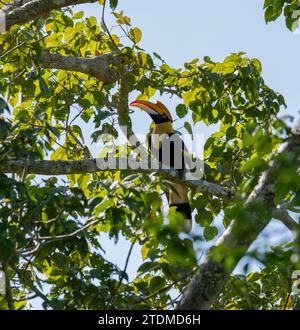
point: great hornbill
(168, 148)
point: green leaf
(210, 233)
(267, 3)
(121, 19)
(271, 14)
(181, 110)
(53, 40)
(292, 23)
(3, 106)
(147, 266)
(257, 65)
(44, 87)
(145, 249)
(188, 97)
(253, 277)
(158, 56)
(231, 132)
(253, 163)
(78, 15)
(204, 217)
(188, 127)
(4, 128)
(103, 206)
(87, 114)
(69, 34)
(157, 283)
(113, 4)
(136, 35)
(143, 58)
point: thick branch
(98, 67)
(21, 14)
(213, 274)
(62, 167)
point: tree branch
(281, 213)
(8, 292)
(43, 240)
(209, 281)
(98, 67)
(64, 167)
(21, 14)
(22, 275)
(51, 239)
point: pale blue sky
(183, 30)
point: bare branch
(43, 240)
(70, 235)
(26, 298)
(64, 167)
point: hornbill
(168, 148)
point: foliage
(51, 228)
(289, 8)
(270, 288)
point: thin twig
(168, 287)
(287, 301)
(123, 272)
(43, 240)
(30, 283)
(106, 28)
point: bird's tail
(178, 197)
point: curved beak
(144, 105)
(158, 112)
